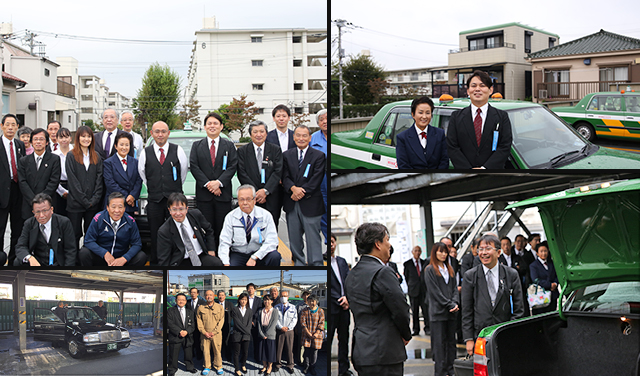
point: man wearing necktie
(47, 239)
(413, 269)
(284, 334)
(479, 136)
(52, 129)
(105, 140)
(181, 325)
(304, 169)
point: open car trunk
(582, 345)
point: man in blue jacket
(112, 238)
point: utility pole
(340, 23)
(281, 280)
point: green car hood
(593, 235)
(606, 158)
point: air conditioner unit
(542, 94)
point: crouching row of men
(248, 236)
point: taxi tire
(74, 349)
(586, 130)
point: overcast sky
(385, 28)
(122, 65)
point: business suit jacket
(116, 179)
(545, 277)
(394, 267)
(199, 303)
(477, 312)
(311, 204)
(248, 172)
(380, 312)
(85, 185)
(5, 170)
(410, 154)
(241, 324)
(226, 327)
(442, 296)
(62, 241)
(519, 265)
(462, 145)
(171, 248)
(33, 181)
(203, 171)
(336, 292)
(257, 305)
(415, 284)
(175, 324)
(272, 137)
(100, 147)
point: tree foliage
(191, 112)
(158, 98)
(357, 73)
(299, 119)
(238, 114)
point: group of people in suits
(278, 169)
(477, 137)
(203, 327)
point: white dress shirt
(105, 134)
(7, 149)
(194, 241)
(495, 272)
(86, 159)
(250, 301)
(138, 144)
(120, 158)
(283, 138)
(182, 157)
(508, 258)
(243, 310)
(423, 141)
(483, 114)
(444, 272)
(304, 152)
(336, 271)
(63, 169)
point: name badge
(306, 171)
(175, 173)
(262, 175)
(50, 256)
(259, 235)
(495, 141)
(224, 163)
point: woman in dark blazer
(242, 316)
(422, 145)
(84, 175)
(116, 179)
(442, 292)
(543, 273)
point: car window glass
(633, 103)
(443, 118)
(605, 103)
(46, 315)
(398, 121)
(616, 298)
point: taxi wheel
(74, 349)
(586, 131)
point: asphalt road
(141, 363)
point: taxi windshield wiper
(555, 160)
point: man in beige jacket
(210, 321)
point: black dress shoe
(192, 370)
(290, 370)
(415, 334)
(347, 373)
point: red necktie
(55, 147)
(14, 170)
(161, 156)
(477, 125)
(212, 151)
(124, 161)
(418, 268)
(423, 135)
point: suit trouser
(240, 354)
(255, 339)
(323, 221)
(157, 214)
(76, 219)
(174, 353)
(214, 343)
(381, 370)
(205, 258)
(340, 321)
(297, 225)
(14, 208)
(443, 344)
(418, 303)
(282, 338)
(215, 212)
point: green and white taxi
(541, 139)
(605, 114)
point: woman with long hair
(442, 293)
(64, 146)
(84, 174)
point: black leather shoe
(290, 370)
(192, 370)
(347, 373)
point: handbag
(538, 297)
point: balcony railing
(495, 45)
(573, 90)
(66, 89)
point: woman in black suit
(84, 174)
(442, 293)
(544, 274)
(242, 317)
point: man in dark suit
(226, 327)
(340, 317)
(193, 305)
(255, 303)
(38, 172)
(304, 169)
(488, 291)
(282, 136)
(163, 168)
(101, 310)
(512, 260)
(52, 129)
(422, 146)
(394, 267)
(260, 165)
(479, 136)
(378, 306)
(519, 248)
(213, 162)
(413, 269)
(186, 239)
(11, 150)
(47, 238)
(105, 144)
(181, 324)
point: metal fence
(135, 312)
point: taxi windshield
(542, 140)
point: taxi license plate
(112, 346)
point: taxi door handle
(376, 157)
(590, 115)
(629, 117)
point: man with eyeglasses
(47, 239)
(186, 239)
(491, 292)
(105, 144)
(249, 235)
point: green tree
(299, 119)
(191, 112)
(239, 113)
(357, 73)
(335, 85)
(158, 98)
(89, 123)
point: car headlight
(125, 334)
(143, 206)
(91, 337)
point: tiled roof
(10, 77)
(602, 41)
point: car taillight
(480, 358)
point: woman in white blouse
(64, 143)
